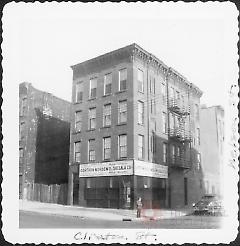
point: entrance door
(75, 189)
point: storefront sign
(116, 168)
(148, 169)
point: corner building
(132, 128)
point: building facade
(44, 136)
(212, 137)
(134, 133)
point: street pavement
(41, 220)
(98, 213)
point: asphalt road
(38, 220)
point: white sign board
(148, 169)
(116, 168)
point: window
(122, 146)
(171, 93)
(153, 106)
(171, 121)
(93, 88)
(21, 130)
(79, 92)
(107, 115)
(106, 148)
(183, 101)
(164, 152)
(197, 111)
(122, 115)
(178, 151)
(21, 153)
(153, 147)
(198, 136)
(123, 79)
(140, 80)
(140, 146)
(91, 150)
(77, 151)
(78, 121)
(92, 118)
(164, 92)
(107, 84)
(152, 85)
(173, 153)
(198, 161)
(164, 116)
(23, 107)
(140, 112)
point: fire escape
(179, 133)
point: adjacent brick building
(212, 148)
(44, 129)
(134, 132)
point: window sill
(91, 99)
(77, 103)
(122, 91)
(76, 132)
(122, 124)
(105, 127)
(106, 95)
(91, 130)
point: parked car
(209, 204)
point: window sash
(122, 146)
(123, 79)
(79, 92)
(77, 151)
(164, 116)
(122, 111)
(91, 150)
(164, 152)
(107, 115)
(78, 121)
(92, 118)
(140, 112)
(93, 88)
(140, 146)
(107, 148)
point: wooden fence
(53, 193)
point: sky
(44, 40)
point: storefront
(119, 184)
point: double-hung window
(140, 80)
(21, 130)
(164, 152)
(107, 84)
(21, 153)
(140, 112)
(173, 153)
(79, 92)
(93, 88)
(164, 92)
(198, 136)
(78, 121)
(122, 146)
(122, 111)
(77, 151)
(91, 150)
(107, 115)
(122, 79)
(140, 147)
(92, 118)
(106, 148)
(164, 120)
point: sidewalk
(97, 213)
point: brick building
(134, 132)
(44, 129)
(212, 137)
